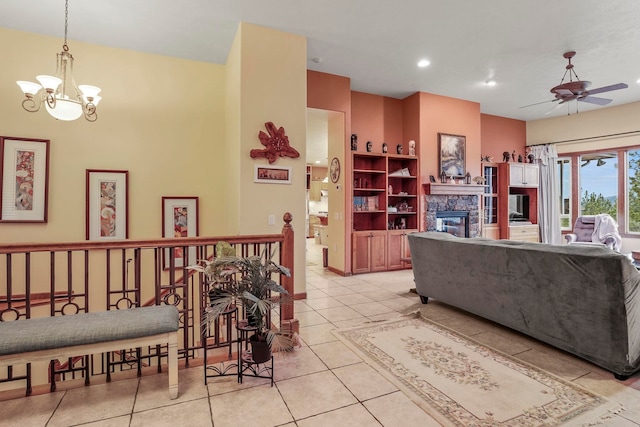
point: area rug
(460, 382)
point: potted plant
(246, 282)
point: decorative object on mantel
(354, 142)
(384, 147)
(487, 159)
(443, 177)
(519, 158)
(452, 154)
(276, 144)
(399, 148)
(479, 180)
(369, 146)
(506, 156)
(467, 178)
(63, 99)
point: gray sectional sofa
(582, 299)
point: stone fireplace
(453, 208)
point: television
(518, 208)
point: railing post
(286, 310)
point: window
(599, 183)
(633, 190)
(564, 192)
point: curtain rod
(588, 138)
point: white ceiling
(377, 43)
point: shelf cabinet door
(397, 249)
(523, 175)
(369, 252)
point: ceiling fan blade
(595, 100)
(608, 88)
(555, 107)
(538, 103)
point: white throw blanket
(606, 228)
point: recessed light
(638, 81)
(317, 162)
(490, 82)
(423, 63)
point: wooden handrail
(9, 248)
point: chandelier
(62, 98)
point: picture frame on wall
(24, 171)
(179, 219)
(452, 150)
(107, 210)
(267, 174)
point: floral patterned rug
(460, 382)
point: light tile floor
(322, 383)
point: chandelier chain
(65, 47)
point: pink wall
(441, 114)
(501, 134)
(329, 92)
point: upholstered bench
(44, 339)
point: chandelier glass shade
(63, 99)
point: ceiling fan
(576, 89)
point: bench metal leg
(173, 365)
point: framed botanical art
(452, 155)
(24, 172)
(272, 174)
(107, 204)
(179, 219)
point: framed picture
(107, 204)
(452, 155)
(272, 174)
(24, 171)
(179, 219)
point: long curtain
(548, 198)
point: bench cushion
(46, 333)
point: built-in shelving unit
(384, 210)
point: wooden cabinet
(369, 251)
(518, 201)
(524, 233)
(523, 175)
(397, 250)
(385, 207)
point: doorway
(325, 198)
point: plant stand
(211, 339)
(247, 367)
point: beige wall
(156, 120)
(273, 83)
(179, 127)
(604, 125)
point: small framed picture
(452, 155)
(179, 219)
(267, 174)
(107, 204)
(24, 172)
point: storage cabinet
(518, 201)
(384, 209)
(397, 249)
(524, 233)
(369, 251)
(523, 175)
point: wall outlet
(272, 220)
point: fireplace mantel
(453, 189)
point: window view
(564, 191)
(599, 184)
(633, 191)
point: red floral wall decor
(276, 144)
